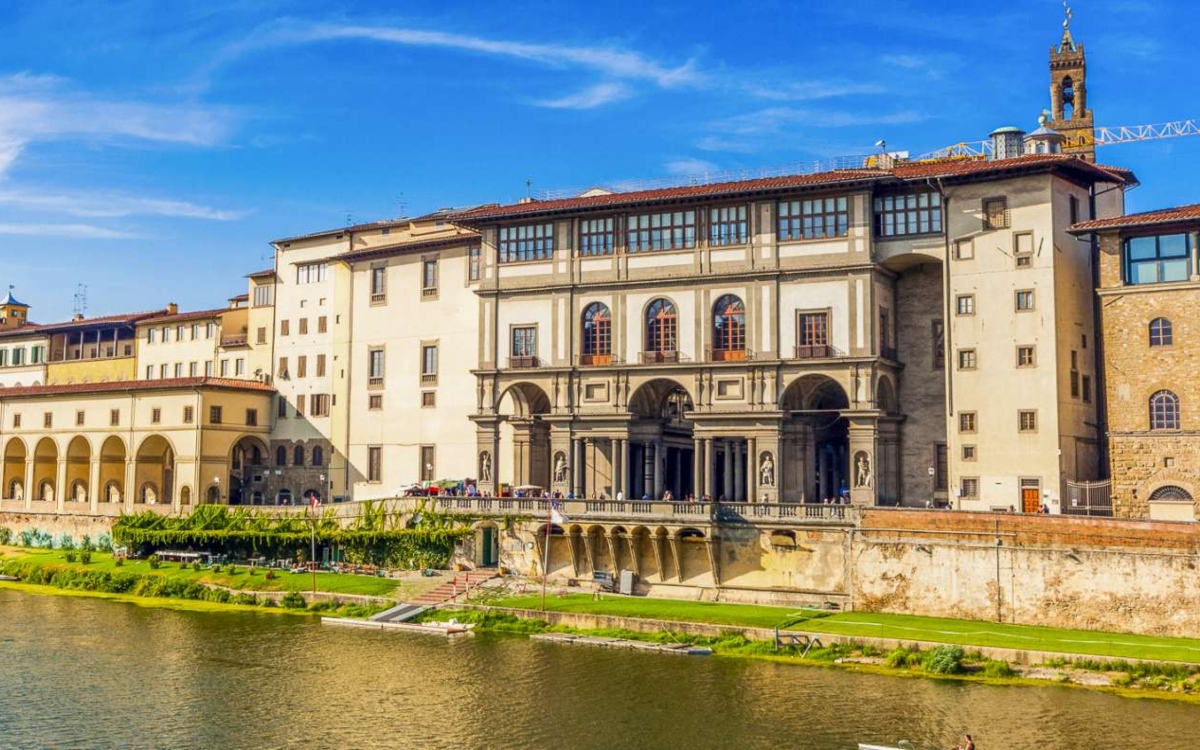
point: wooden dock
(684, 649)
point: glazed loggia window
(1155, 259)
(912, 213)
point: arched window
(597, 335)
(1161, 333)
(662, 332)
(281, 456)
(1170, 492)
(729, 328)
(255, 456)
(298, 456)
(1164, 411)
(318, 456)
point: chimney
(1007, 142)
(172, 308)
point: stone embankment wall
(57, 524)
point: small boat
(903, 745)
(453, 627)
(450, 627)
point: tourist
(620, 496)
(1045, 509)
(966, 744)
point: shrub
(233, 570)
(6, 535)
(118, 562)
(85, 556)
(902, 658)
(86, 543)
(216, 568)
(66, 542)
(104, 543)
(269, 602)
(71, 556)
(154, 562)
(997, 668)
(293, 600)
(196, 566)
(945, 660)
(270, 575)
(249, 599)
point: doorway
(1031, 495)
(490, 547)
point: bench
(604, 581)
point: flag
(556, 513)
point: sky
(152, 150)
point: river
(87, 673)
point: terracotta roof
(385, 251)
(381, 224)
(239, 296)
(259, 274)
(186, 315)
(1161, 216)
(28, 328)
(124, 318)
(123, 386)
(949, 169)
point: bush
(945, 660)
(997, 668)
(293, 600)
(196, 566)
(66, 542)
(216, 568)
(902, 658)
(6, 535)
(71, 556)
(86, 543)
(155, 563)
(104, 543)
(249, 599)
(269, 602)
(85, 556)
(270, 576)
(118, 561)
(233, 570)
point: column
(710, 464)
(825, 459)
(576, 466)
(130, 490)
(648, 458)
(1195, 276)
(697, 466)
(94, 486)
(624, 480)
(752, 470)
(658, 471)
(739, 472)
(29, 489)
(60, 484)
(810, 464)
(728, 489)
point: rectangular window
(16, 421)
(965, 304)
(429, 277)
(1027, 420)
(374, 463)
(968, 453)
(664, 231)
(149, 372)
(901, 215)
(318, 405)
(995, 213)
(261, 337)
(37, 355)
(964, 250)
(813, 219)
(1073, 209)
(428, 467)
(300, 401)
(322, 324)
(320, 365)
(429, 364)
(595, 236)
(375, 362)
(966, 359)
(969, 487)
(1087, 389)
(428, 399)
(189, 414)
(210, 330)
(208, 369)
(526, 242)
(166, 335)
(179, 331)
(1024, 300)
(284, 327)
(1023, 249)
(263, 296)
(812, 335)
(524, 346)
(1025, 356)
(3, 357)
(727, 226)
(885, 334)
(224, 368)
(939, 345)
(152, 336)
(967, 421)
(474, 258)
(311, 273)
(375, 401)
(239, 366)
(281, 407)
(303, 324)
(379, 284)
(1157, 259)
(302, 366)
(282, 373)
(252, 417)
(941, 468)
(179, 369)
(162, 371)
(156, 415)
(79, 419)
(193, 369)
(214, 415)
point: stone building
(1149, 286)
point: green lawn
(866, 624)
(338, 583)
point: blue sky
(152, 149)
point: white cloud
(774, 119)
(111, 206)
(686, 167)
(811, 90)
(73, 231)
(589, 98)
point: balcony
(429, 291)
(729, 355)
(378, 298)
(235, 341)
(375, 383)
(429, 378)
(524, 362)
(661, 358)
(656, 510)
(596, 360)
(814, 351)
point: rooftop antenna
(80, 306)
(881, 145)
(529, 187)
(400, 205)
(349, 217)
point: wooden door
(1031, 500)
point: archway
(815, 463)
(45, 467)
(112, 470)
(661, 448)
(15, 455)
(1171, 492)
(524, 456)
(79, 465)
(885, 396)
(247, 468)
(154, 471)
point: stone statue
(862, 477)
(485, 467)
(18, 492)
(149, 496)
(560, 468)
(80, 492)
(114, 494)
(766, 471)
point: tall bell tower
(1068, 95)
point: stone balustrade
(653, 511)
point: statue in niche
(17, 492)
(560, 467)
(862, 470)
(149, 496)
(766, 471)
(485, 467)
(114, 494)
(80, 492)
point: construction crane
(1103, 137)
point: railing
(523, 363)
(375, 382)
(429, 291)
(661, 358)
(729, 355)
(595, 360)
(814, 351)
(378, 298)
(653, 510)
(428, 378)
(237, 339)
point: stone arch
(1171, 492)
(112, 470)
(885, 396)
(185, 495)
(690, 532)
(524, 437)
(661, 410)
(79, 466)
(154, 470)
(814, 460)
(45, 468)
(814, 392)
(527, 400)
(213, 494)
(15, 455)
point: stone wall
(57, 524)
(922, 391)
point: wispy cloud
(803, 91)
(114, 206)
(589, 98)
(748, 132)
(685, 167)
(73, 231)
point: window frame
(929, 216)
(597, 237)
(1018, 306)
(971, 417)
(823, 218)
(1026, 349)
(1027, 421)
(649, 233)
(1158, 261)
(661, 328)
(969, 300)
(994, 213)
(728, 225)
(1162, 332)
(525, 243)
(1165, 411)
(595, 334)
(729, 324)
(967, 359)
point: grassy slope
(865, 624)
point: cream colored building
(22, 346)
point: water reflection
(88, 673)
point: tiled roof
(385, 251)
(47, 328)
(260, 274)
(381, 224)
(1161, 216)
(949, 169)
(25, 330)
(195, 314)
(124, 386)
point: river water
(87, 673)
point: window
(1087, 389)
(320, 365)
(379, 284)
(965, 304)
(79, 419)
(37, 354)
(284, 327)
(1025, 356)
(1027, 420)
(429, 363)
(214, 415)
(1073, 209)
(252, 417)
(261, 337)
(665, 231)
(428, 399)
(155, 415)
(162, 371)
(114, 418)
(527, 242)
(375, 401)
(524, 347)
(311, 273)
(281, 407)
(429, 277)
(813, 219)
(209, 330)
(916, 213)
(1164, 411)
(968, 453)
(727, 226)
(1024, 300)
(964, 250)
(16, 421)
(661, 329)
(318, 405)
(166, 334)
(885, 334)
(729, 325)
(968, 487)
(1074, 374)
(939, 344)
(239, 366)
(812, 335)
(303, 326)
(596, 236)
(283, 368)
(1150, 260)
(208, 369)
(179, 369)
(189, 414)
(302, 366)
(967, 421)
(966, 359)
(281, 456)
(1023, 249)
(1161, 333)
(941, 468)
(322, 324)
(224, 368)
(149, 372)
(18, 357)
(474, 256)
(179, 331)
(318, 457)
(47, 420)
(193, 369)
(427, 463)
(152, 336)
(995, 213)
(375, 361)
(263, 296)
(300, 399)
(3, 357)
(298, 456)
(374, 463)
(596, 343)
